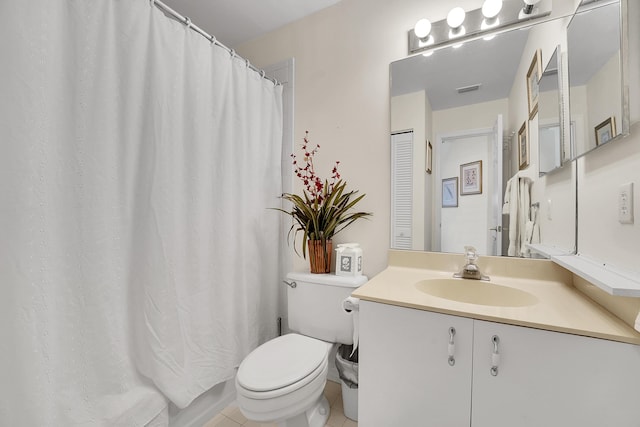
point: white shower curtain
(138, 259)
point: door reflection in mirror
(477, 217)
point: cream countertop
(560, 307)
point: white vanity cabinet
(543, 378)
(405, 378)
(553, 379)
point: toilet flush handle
(291, 284)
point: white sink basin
(476, 292)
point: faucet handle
(470, 254)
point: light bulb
(456, 16)
(491, 8)
(528, 7)
(422, 28)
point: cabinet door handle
(495, 355)
(452, 346)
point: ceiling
(236, 21)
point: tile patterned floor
(232, 417)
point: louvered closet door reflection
(401, 189)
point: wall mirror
(551, 147)
(596, 70)
(456, 114)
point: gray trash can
(347, 365)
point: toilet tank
(314, 306)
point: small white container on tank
(348, 259)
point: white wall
(594, 102)
(549, 141)
(580, 118)
(604, 96)
(475, 116)
(342, 96)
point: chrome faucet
(470, 269)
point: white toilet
(283, 380)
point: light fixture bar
(473, 24)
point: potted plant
(323, 210)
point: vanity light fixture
(460, 25)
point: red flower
(314, 185)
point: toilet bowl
(283, 381)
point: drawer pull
(452, 346)
(495, 355)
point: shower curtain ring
(232, 53)
(246, 61)
(187, 21)
(212, 39)
(262, 74)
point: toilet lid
(281, 362)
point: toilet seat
(281, 366)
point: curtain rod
(187, 21)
